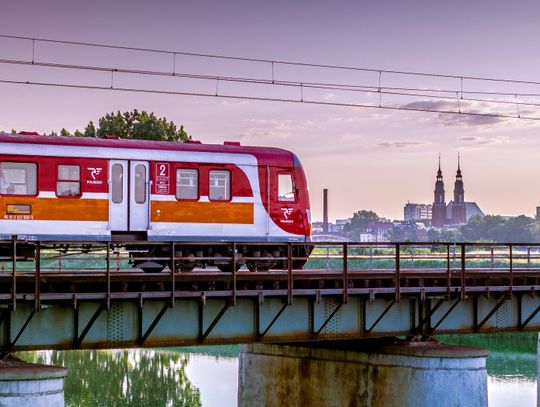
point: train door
(129, 195)
(139, 187)
(118, 196)
(284, 208)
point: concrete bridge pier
(29, 385)
(351, 374)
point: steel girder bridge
(73, 295)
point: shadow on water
(123, 377)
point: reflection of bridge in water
(87, 295)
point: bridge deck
(87, 295)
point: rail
(44, 272)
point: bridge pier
(29, 385)
(351, 374)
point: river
(208, 376)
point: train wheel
(151, 267)
(255, 266)
(228, 268)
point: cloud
(472, 113)
(431, 105)
(399, 144)
(469, 120)
(497, 140)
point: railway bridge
(73, 295)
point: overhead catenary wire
(447, 95)
(268, 99)
(395, 91)
(271, 61)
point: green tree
(360, 221)
(519, 229)
(90, 130)
(137, 125)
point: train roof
(264, 155)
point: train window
(69, 180)
(187, 184)
(140, 183)
(220, 185)
(18, 178)
(285, 188)
(117, 184)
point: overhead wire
(394, 91)
(270, 61)
(432, 94)
(268, 99)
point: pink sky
(368, 158)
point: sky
(368, 158)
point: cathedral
(457, 211)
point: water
(182, 377)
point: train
(55, 188)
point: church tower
(438, 214)
(458, 206)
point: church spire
(438, 214)
(459, 215)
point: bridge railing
(43, 271)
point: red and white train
(68, 188)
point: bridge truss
(69, 295)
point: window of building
(187, 184)
(18, 178)
(140, 183)
(220, 185)
(285, 188)
(69, 180)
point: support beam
(501, 301)
(89, 325)
(12, 343)
(203, 336)
(427, 318)
(261, 335)
(381, 316)
(529, 318)
(143, 338)
(328, 319)
(454, 305)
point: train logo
(287, 212)
(94, 172)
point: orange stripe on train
(202, 212)
(59, 208)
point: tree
(136, 125)
(360, 221)
(500, 229)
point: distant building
(340, 224)
(457, 212)
(415, 211)
(382, 230)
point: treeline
(492, 228)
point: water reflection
(123, 377)
(176, 377)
